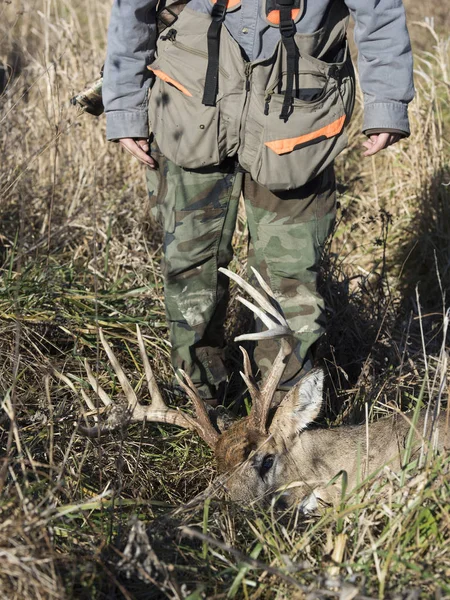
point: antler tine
(260, 411)
(247, 376)
(115, 420)
(96, 386)
(262, 283)
(155, 395)
(130, 394)
(277, 327)
(268, 321)
(157, 411)
(251, 291)
(87, 431)
(202, 423)
(69, 384)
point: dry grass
(77, 252)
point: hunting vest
(284, 117)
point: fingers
(143, 145)
(138, 148)
(375, 143)
(379, 141)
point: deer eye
(266, 465)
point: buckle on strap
(287, 25)
(219, 11)
(287, 28)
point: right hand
(139, 148)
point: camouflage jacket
(384, 57)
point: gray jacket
(384, 59)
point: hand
(139, 148)
(379, 141)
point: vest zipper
(246, 103)
(196, 52)
(248, 71)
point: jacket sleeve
(131, 47)
(384, 63)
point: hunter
(220, 98)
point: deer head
(258, 459)
(253, 451)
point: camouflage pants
(198, 211)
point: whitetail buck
(271, 453)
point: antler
(157, 411)
(277, 327)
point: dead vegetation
(122, 517)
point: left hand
(379, 141)
(139, 148)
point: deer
(271, 454)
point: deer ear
(300, 406)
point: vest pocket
(291, 153)
(295, 151)
(187, 132)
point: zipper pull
(170, 35)
(247, 71)
(266, 104)
(334, 72)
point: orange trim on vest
(230, 3)
(173, 82)
(289, 144)
(274, 16)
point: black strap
(212, 72)
(287, 30)
(166, 16)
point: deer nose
(236, 491)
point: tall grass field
(134, 515)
